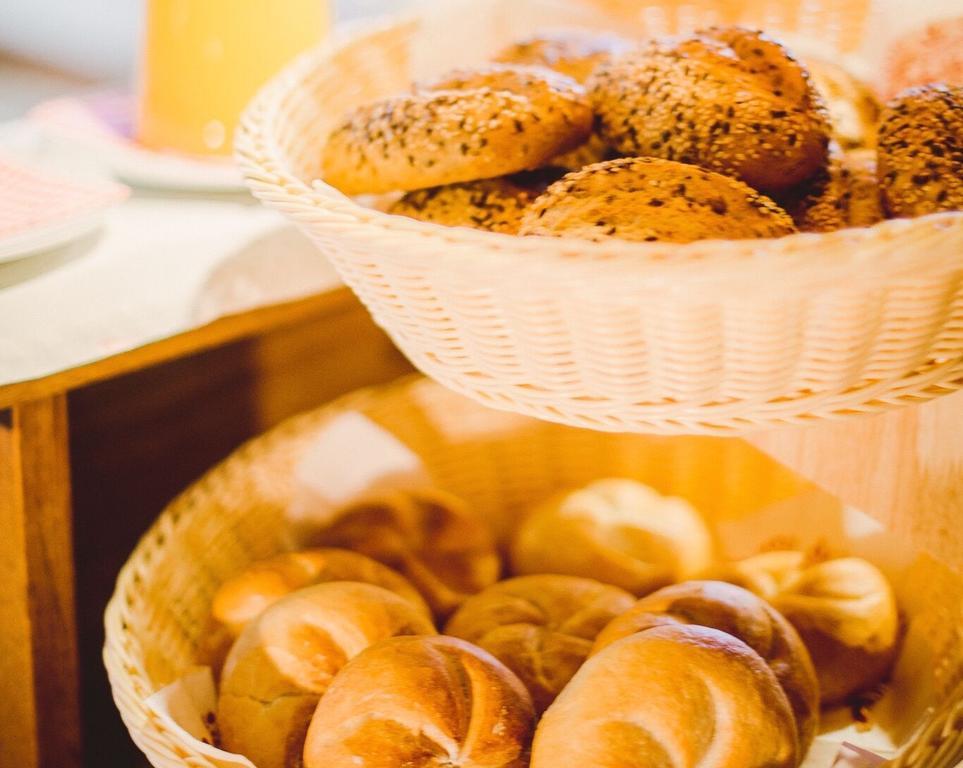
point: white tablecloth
(162, 265)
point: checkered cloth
(33, 199)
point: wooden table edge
(221, 331)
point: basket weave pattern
(236, 514)
(719, 337)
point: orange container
(203, 60)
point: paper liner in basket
(187, 706)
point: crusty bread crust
(541, 627)
(671, 696)
(846, 194)
(422, 701)
(921, 151)
(430, 537)
(730, 100)
(286, 658)
(472, 125)
(495, 205)
(650, 199)
(844, 610)
(743, 615)
(615, 530)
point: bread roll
(729, 100)
(846, 194)
(495, 205)
(243, 597)
(844, 610)
(920, 152)
(422, 701)
(743, 615)
(469, 125)
(429, 536)
(679, 696)
(576, 53)
(649, 199)
(286, 658)
(616, 531)
(540, 627)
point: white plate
(49, 237)
(101, 123)
(43, 207)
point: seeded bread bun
(467, 126)
(593, 151)
(921, 151)
(730, 100)
(853, 107)
(540, 627)
(743, 615)
(847, 194)
(576, 53)
(496, 205)
(650, 199)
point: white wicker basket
(237, 514)
(717, 336)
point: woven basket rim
(797, 262)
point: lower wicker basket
(503, 463)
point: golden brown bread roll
(421, 702)
(921, 151)
(853, 107)
(286, 658)
(844, 610)
(679, 696)
(846, 194)
(740, 613)
(495, 205)
(617, 531)
(649, 199)
(576, 53)
(540, 627)
(470, 125)
(430, 537)
(243, 597)
(593, 151)
(727, 99)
